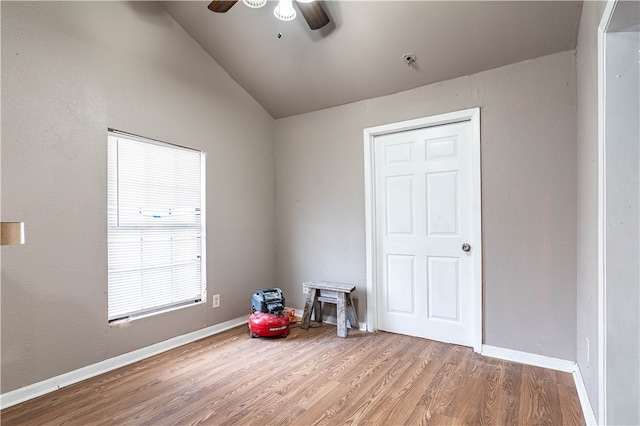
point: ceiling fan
(312, 11)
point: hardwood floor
(312, 378)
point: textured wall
(70, 70)
(528, 133)
(587, 222)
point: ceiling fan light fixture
(284, 10)
(305, 1)
(255, 4)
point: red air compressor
(267, 318)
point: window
(156, 226)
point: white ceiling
(359, 54)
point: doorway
(619, 213)
(423, 216)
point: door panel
(442, 203)
(397, 153)
(400, 205)
(444, 288)
(423, 207)
(401, 278)
(440, 148)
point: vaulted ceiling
(359, 55)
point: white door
(424, 218)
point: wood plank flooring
(312, 378)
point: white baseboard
(49, 385)
(529, 358)
(553, 364)
(587, 408)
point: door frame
(472, 115)
(614, 19)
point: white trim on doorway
(602, 390)
(618, 41)
(472, 115)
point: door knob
(466, 247)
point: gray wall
(70, 70)
(587, 222)
(528, 138)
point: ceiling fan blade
(221, 6)
(314, 14)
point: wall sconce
(11, 233)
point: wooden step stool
(336, 293)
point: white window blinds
(155, 226)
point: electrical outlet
(216, 300)
(305, 289)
